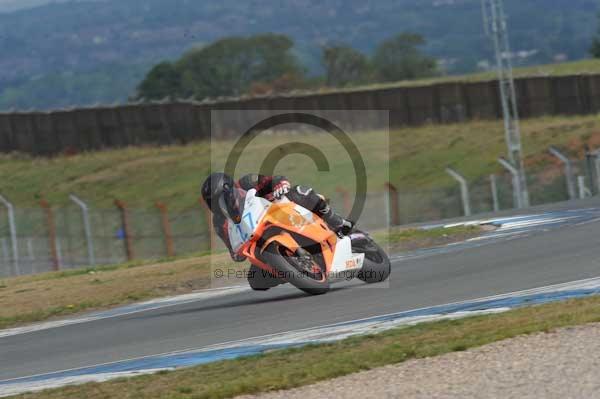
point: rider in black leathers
(271, 188)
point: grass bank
(413, 159)
(402, 239)
(582, 67)
(46, 296)
(291, 368)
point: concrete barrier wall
(50, 133)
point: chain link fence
(56, 238)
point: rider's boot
(306, 197)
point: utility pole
(494, 21)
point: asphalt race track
(548, 253)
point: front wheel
(308, 278)
(262, 280)
(376, 267)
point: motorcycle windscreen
(231, 204)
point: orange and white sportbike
(287, 243)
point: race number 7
(244, 234)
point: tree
(345, 66)
(227, 67)
(399, 58)
(595, 48)
(162, 81)
(282, 84)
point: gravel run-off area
(560, 364)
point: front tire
(377, 266)
(276, 257)
(261, 280)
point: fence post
(87, 227)
(5, 251)
(51, 233)
(516, 182)
(125, 228)
(494, 188)
(584, 192)
(464, 190)
(209, 226)
(568, 171)
(30, 252)
(13, 233)
(593, 159)
(589, 168)
(393, 207)
(345, 198)
(597, 164)
(166, 226)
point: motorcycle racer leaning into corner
(271, 188)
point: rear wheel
(376, 267)
(301, 271)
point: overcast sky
(16, 4)
(11, 5)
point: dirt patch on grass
(403, 240)
(34, 298)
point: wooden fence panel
(6, 133)
(155, 127)
(537, 96)
(482, 99)
(44, 134)
(566, 95)
(594, 93)
(395, 101)
(184, 121)
(24, 137)
(86, 129)
(111, 134)
(421, 103)
(451, 103)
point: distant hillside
(68, 52)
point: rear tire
(274, 256)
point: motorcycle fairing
(289, 218)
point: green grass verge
(108, 268)
(401, 239)
(28, 299)
(404, 235)
(582, 67)
(296, 367)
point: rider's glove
(346, 227)
(281, 189)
